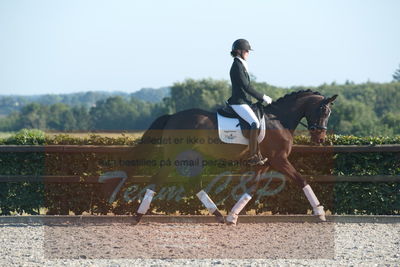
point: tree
(205, 94)
(392, 120)
(114, 113)
(362, 109)
(82, 118)
(34, 116)
(56, 118)
(396, 75)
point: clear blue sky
(52, 46)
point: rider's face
(245, 54)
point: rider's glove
(267, 99)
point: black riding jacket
(241, 87)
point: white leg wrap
(233, 215)
(207, 202)
(319, 211)
(145, 205)
(311, 196)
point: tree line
(11, 103)
(361, 109)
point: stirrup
(264, 160)
(256, 160)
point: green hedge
(280, 196)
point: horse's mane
(294, 95)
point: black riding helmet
(241, 44)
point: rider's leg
(255, 155)
(246, 113)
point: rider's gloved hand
(267, 99)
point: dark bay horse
(189, 130)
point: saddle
(228, 112)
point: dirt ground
(195, 241)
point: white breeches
(246, 113)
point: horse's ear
(331, 99)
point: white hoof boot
(319, 211)
(231, 219)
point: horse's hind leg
(210, 205)
(155, 184)
(144, 206)
(233, 215)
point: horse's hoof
(219, 217)
(137, 218)
(231, 219)
(319, 211)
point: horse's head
(317, 115)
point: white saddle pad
(229, 131)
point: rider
(241, 89)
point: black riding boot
(255, 155)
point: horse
(281, 119)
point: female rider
(241, 90)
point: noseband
(314, 126)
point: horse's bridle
(314, 126)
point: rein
(316, 125)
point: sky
(49, 46)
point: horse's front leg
(281, 164)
